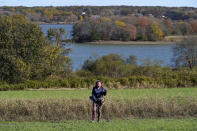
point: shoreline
(55, 23)
(132, 42)
(168, 40)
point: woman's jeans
(94, 106)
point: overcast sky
(171, 3)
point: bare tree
(185, 52)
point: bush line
(87, 82)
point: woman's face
(99, 84)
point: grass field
(112, 93)
(40, 110)
(187, 124)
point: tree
(56, 36)
(184, 28)
(132, 60)
(143, 25)
(60, 63)
(169, 26)
(185, 53)
(21, 52)
(144, 22)
(105, 28)
(25, 53)
(111, 65)
(120, 23)
(131, 30)
(193, 24)
(82, 31)
(157, 32)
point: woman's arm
(104, 92)
(93, 95)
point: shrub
(124, 81)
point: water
(81, 52)
(68, 28)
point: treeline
(71, 14)
(125, 23)
(131, 29)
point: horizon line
(102, 6)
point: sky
(169, 3)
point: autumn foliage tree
(143, 26)
(132, 31)
(144, 22)
(168, 26)
(185, 53)
(193, 24)
(157, 33)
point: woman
(98, 92)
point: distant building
(83, 13)
(150, 15)
(163, 16)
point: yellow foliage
(23, 67)
(28, 10)
(157, 31)
(120, 23)
(81, 18)
(181, 23)
(106, 19)
(49, 13)
(54, 54)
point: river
(81, 52)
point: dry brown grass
(63, 109)
(177, 38)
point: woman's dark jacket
(98, 93)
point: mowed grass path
(114, 93)
(187, 124)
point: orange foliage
(132, 31)
(144, 22)
(168, 24)
(193, 24)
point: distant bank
(132, 42)
(56, 23)
(69, 28)
(167, 40)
